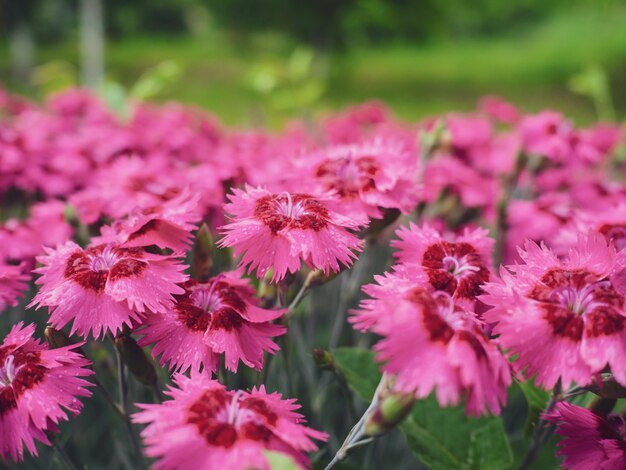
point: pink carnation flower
(211, 318)
(591, 441)
(25, 239)
(36, 384)
(547, 134)
(565, 319)
(432, 343)
(381, 173)
(280, 230)
(12, 283)
(499, 109)
(457, 265)
(103, 287)
(167, 225)
(206, 426)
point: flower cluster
(194, 244)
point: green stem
(123, 392)
(357, 437)
(65, 458)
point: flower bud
(56, 338)
(324, 359)
(136, 360)
(390, 412)
(202, 260)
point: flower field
(352, 291)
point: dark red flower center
(291, 211)
(19, 371)
(224, 417)
(443, 319)
(93, 267)
(215, 304)
(577, 301)
(348, 176)
(455, 268)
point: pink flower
(591, 441)
(211, 318)
(36, 384)
(280, 230)
(206, 426)
(381, 173)
(609, 221)
(462, 179)
(432, 343)
(167, 225)
(12, 283)
(457, 265)
(467, 132)
(564, 318)
(547, 134)
(104, 287)
(499, 109)
(25, 239)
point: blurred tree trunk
(22, 53)
(92, 42)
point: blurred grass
(530, 68)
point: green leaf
(442, 438)
(537, 399)
(357, 366)
(489, 446)
(280, 461)
(156, 80)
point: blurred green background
(247, 60)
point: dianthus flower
(167, 225)
(433, 343)
(36, 385)
(103, 287)
(280, 230)
(381, 173)
(204, 426)
(547, 134)
(210, 318)
(12, 283)
(590, 441)
(457, 265)
(25, 239)
(564, 318)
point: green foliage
(536, 399)
(442, 438)
(593, 82)
(156, 80)
(357, 366)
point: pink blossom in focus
(104, 287)
(204, 425)
(37, 385)
(220, 316)
(457, 265)
(564, 318)
(432, 343)
(279, 231)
